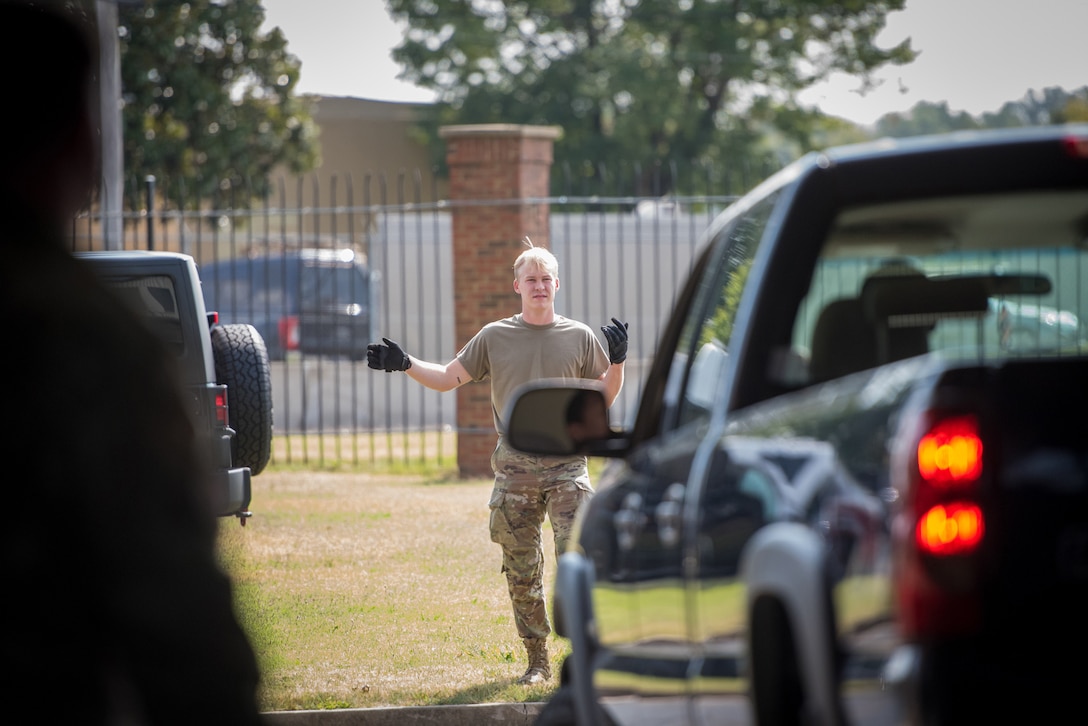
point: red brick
(510, 164)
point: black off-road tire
(241, 364)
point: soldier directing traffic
(535, 344)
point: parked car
(224, 368)
(315, 301)
(850, 493)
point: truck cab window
(703, 346)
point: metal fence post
(150, 182)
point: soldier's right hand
(389, 357)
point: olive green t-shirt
(511, 352)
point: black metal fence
(620, 255)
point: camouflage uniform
(526, 489)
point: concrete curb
(498, 714)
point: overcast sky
(974, 54)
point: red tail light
(221, 415)
(288, 329)
(949, 464)
(1076, 146)
(939, 531)
(951, 453)
(949, 529)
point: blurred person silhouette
(116, 608)
(535, 344)
(587, 418)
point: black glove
(389, 357)
(616, 334)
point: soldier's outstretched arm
(437, 376)
(388, 356)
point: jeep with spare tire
(224, 368)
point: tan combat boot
(540, 671)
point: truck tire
(560, 709)
(241, 364)
(777, 694)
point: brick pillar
(509, 165)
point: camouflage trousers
(526, 489)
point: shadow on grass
(505, 691)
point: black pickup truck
(225, 368)
(856, 487)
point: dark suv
(316, 301)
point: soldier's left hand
(616, 335)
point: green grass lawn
(360, 590)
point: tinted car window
(238, 287)
(155, 299)
(704, 342)
(323, 286)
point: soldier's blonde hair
(536, 256)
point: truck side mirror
(557, 418)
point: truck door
(655, 523)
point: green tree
(925, 118)
(209, 102)
(1075, 109)
(699, 80)
(1036, 108)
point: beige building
(366, 145)
(369, 159)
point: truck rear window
(981, 278)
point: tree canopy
(1037, 108)
(646, 80)
(208, 99)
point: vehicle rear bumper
(233, 489)
(965, 682)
